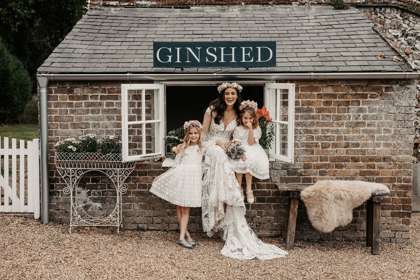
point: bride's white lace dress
(223, 207)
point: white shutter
(142, 121)
(279, 98)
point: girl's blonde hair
(253, 114)
(187, 140)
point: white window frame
(161, 119)
(271, 92)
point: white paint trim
(158, 119)
(272, 95)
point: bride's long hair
(219, 106)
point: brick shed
(345, 97)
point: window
(279, 99)
(142, 117)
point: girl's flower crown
(248, 104)
(226, 85)
(193, 123)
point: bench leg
(291, 225)
(376, 223)
(369, 214)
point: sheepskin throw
(330, 203)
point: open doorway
(190, 102)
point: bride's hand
(223, 144)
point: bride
(223, 207)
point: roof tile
(319, 39)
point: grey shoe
(184, 243)
(193, 242)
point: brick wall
(345, 130)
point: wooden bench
(373, 215)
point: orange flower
(264, 113)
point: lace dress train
(223, 209)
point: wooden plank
(369, 213)
(31, 178)
(22, 173)
(36, 177)
(15, 198)
(291, 187)
(5, 184)
(291, 225)
(376, 224)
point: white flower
(225, 85)
(91, 135)
(112, 137)
(58, 144)
(193, 123)
(248, 103)
(70, 139)
(71, 147)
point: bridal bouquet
(234, 150)
(267, 128)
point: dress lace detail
(181, 185)
(223, 207)
(256, 162)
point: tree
(31, 29)
(15, 86)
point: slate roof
(319, 39)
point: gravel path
(29, 250)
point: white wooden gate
(19, 176)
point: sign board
(238, 54)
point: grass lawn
(19, 131)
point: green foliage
(15, 86)
(338, 4)
(33, 28)
(109, 145)
(30, 113)
(267, 133)
(69, 145)
(20, 131)
(173, 138)
(88, 143)
(30, 30)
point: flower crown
(193, 123)
(248, 104)
(226, 85)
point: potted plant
(88, 148)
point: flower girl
(256, 162)
(181, 185)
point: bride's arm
(206, 124)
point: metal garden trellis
(73, 166)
